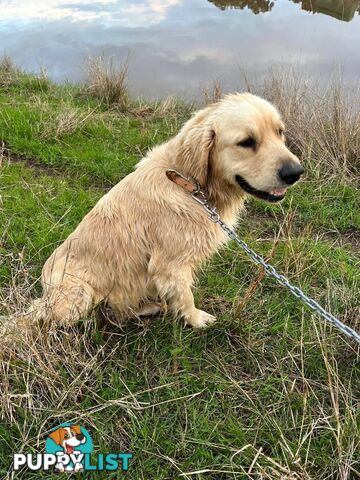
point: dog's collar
(193, 187)
(188, 184)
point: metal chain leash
(201, 198)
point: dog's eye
(247, 143)
(281, 132)
(66, 435)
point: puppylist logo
(69, 448)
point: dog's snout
(290, 173)
(79, 436)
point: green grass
(269, 392)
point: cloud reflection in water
(178, 45)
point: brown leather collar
(187, 184)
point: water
(178, 46)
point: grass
(106, 82)
(270, 392)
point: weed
(68, 121)
(107, 82)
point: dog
(139, 248)
(68, 438)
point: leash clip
(200, 197)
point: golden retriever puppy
(144, 240)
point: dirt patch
(7, 156)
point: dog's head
(239, 143)
(68, 437)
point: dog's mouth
(69, 449)
(273, 196)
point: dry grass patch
(68, 121)
(212, 93)
(169, 108)
(13, 76)
(107, 82)
(9, 73)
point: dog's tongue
(279, 192)
(69, 449)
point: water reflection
(341, 9)
(178, 46)
(257, 6)
(128, 13)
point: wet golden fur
(145, 239)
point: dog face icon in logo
(70, 443)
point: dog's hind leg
(152, 308)
(64, 304)
(60, 305)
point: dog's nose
(79, 436)
(290, 173)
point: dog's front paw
(201, 319)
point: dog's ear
(76, 428)
(56, 436)
(196, 143)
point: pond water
(178, 46)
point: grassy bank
(270, 392)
